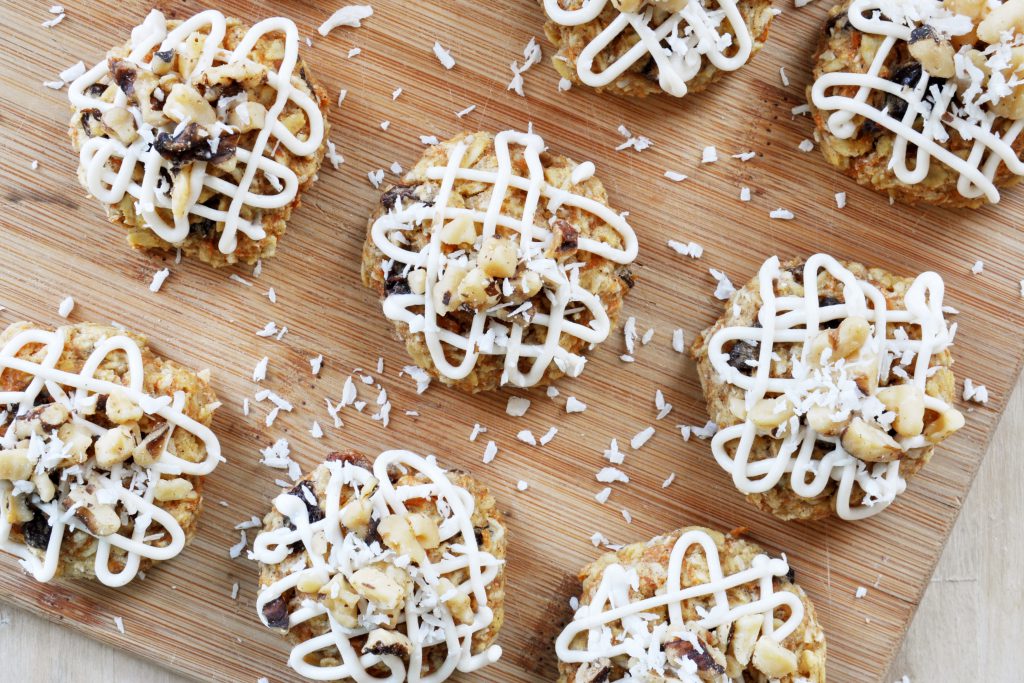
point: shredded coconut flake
(444, 56)
(66, 306)
(691, 249)
(517, 406)
(574, 405)
(352, 15)
(709, 155)
(724, 290)
(641, 438)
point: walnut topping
(172, 489)
(565, 240)
(710, 661)
(598, 671)
(100, 518)
(114, 447)
(15, 465)
(868, 442)
(385, 642)
(120, 125)
(934, 54)
(773, 659)
(748, 628)
(342, 601)
(379, 588)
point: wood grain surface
(970, 588)
(55, 243)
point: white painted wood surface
(966, 629)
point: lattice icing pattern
(90, 498)
(970, 91)
(690, 33)
(616, 625)
(496, 330)
(186, 120)
(831, 395)
(388, 595)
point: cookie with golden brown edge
(643, 47)
(831, 385)
(103, 447)
(201, 135)
(498, 261)
(393, 569)
(695, 606)
(918, 100)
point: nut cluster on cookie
(694, 606)
(386, 569)
(102, 450)
(923, 100)
(201, 135)
(498, 261)
(830, 383)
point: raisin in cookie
(830, 384)
(500, 263)
(103, 446)
(920, 100)
(693, 605)
(641, 47)
(392, 569)
(201, 135)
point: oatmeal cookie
(833, 390)
(197, 143)
(641, 47)
(486, 247)
(103, 446)
(918, 100)
(357, 551)
(677, 626)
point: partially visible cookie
(201, 135)
(378, 570)
(489, 246)
(921, 101)
(103, 446)
(694, 606)
(830, 384)
(643, 47)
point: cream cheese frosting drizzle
(109, 166)
(678, 45)
(489, 334)
(335, 555)
(934, 107)
(156, 534)
(831, 383)
(617, 626)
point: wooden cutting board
(55, 242)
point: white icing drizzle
(488, 334)
(611, 604)
(931, 110)
(98, 154)
(796, 320)
(678, 45)
(137, 503)
(428, 621)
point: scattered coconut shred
(352, 15)
(444, 56)
(531, 55)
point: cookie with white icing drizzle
(643, 47)
(694, 606)
(920, 99)
(391, 570)
(103, 446)
(201, 135)
(830, 384)
(499, 262)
